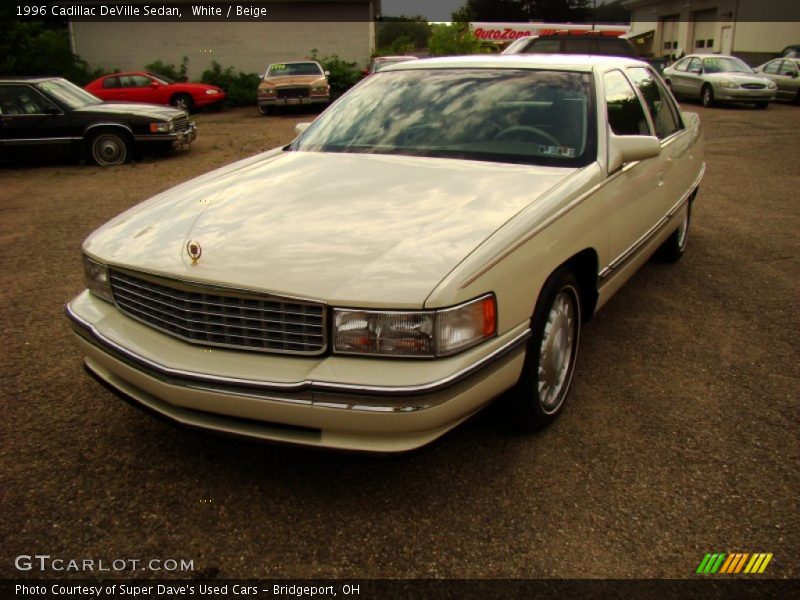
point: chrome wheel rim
(683, 229)
(556, 353)
(109, 150)
(707, 96)
(182, 103)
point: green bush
(453, 40)
(169, 70)
(342, 74)
(241, 88)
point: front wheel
(542, 389)
(707, 95)
(264, 110)
(675, 245)
(183, 102)
(109, 148)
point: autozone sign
(506, 32)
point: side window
(657, 101)
(694, 64)
(544, 46)
(140, 81)
(682, 64)
(22, 100)
(111, 82)
(625, 112)
(788, 68)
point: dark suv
(584, 43)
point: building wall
(246, 46)
(735, 26)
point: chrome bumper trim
(248, 386)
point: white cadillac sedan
(436, 238)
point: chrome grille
(294, 92)
(181, 123)
(211, 316)
(753, 86)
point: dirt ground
(681, 436)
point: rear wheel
(542, 389)
(183, 102)
(707, 95)
(109, 148)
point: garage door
(705, 27)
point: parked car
(437, 237)
(152, 88)
(569, 43)
(52, 116)
(381, 62)
(784, 73)
(718, 78)
(301, 82)
(792, 51)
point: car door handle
(660, 178)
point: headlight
(320, 89)
(729, 84)
(97, 279)
(415, 333)
(162, 127)
(772, 85)
(212, 92)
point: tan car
(293, 83)
(437, 238)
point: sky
(433, 10)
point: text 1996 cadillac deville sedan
(437, 237)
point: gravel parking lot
(681, 437)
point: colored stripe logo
(733, 563)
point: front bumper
(264, 102)
(178, 138)
(723, 94)
(350, 403)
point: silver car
(785, 72)
(718, 78)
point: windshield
(68, 93)
(160, 78)
(722, 64)
(293, 69)
(500, 115)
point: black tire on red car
(182, 101)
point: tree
(395, 35)
(525, 10)
(452, 40)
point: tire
(264, 110)
(762, 105)
(707, 95)
(183, 102)
(675, 245)
(109, 147)
(539, 396)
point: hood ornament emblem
(195, 251)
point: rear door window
(657, 101)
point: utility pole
(594, 13)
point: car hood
(194, 87)
(363, 230)
(295, 79)
(138, 109)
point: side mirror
(697, 70)
(365, 71)
(301, 127)
(155, 85)
(52, 110)
(629, 148)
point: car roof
(26, 79)
(294, 62)
(710, 55)
(564, 62)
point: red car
(142, 86)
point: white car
(436, 238)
